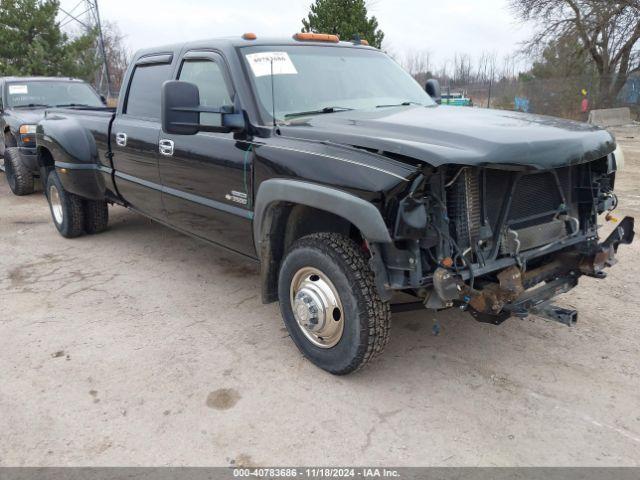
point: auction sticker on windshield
(18, 90)
(261, 63)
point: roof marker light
(316, 37)
(249, 36)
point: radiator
(479, 199)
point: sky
(442, 27)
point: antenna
(86, 14)
(273, 95)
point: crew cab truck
(23, 101)
(328, 164)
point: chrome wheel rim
(317, 307)
(56, 204)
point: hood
(460, 135)
(24, 116)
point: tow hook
(593, 266)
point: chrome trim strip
(321, 155)
(82, 166)
(341, 160)
(139, 181)
(207, 202)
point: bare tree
(609, 30)
(486, 68)
(443, 72)
(418, 64)
(462, 67)
(117, 53)
(508, 67)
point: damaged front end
(501, 242)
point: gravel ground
(141, 346)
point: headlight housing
(618, 157)
(28, 135)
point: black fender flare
(11, 131)
(74, 151)
(361, 213)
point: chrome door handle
(121, 139)
(166, 147)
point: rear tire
(20, 179)
(96, 216)
(67, 209)
(326, 278)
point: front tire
(67, 209)
(19, 178)
(330, 304)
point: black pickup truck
(351, 186)
(23, 101)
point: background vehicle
(22, 104)
(347, 192)
(457, 99)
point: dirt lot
(141, 346)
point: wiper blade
(403, 104)
(72, 105)
(318, 112)
(32, 105)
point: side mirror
(433, 89)
(182, 113)
(103, 99)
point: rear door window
(143, 99)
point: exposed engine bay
(501, 242)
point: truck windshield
(310, 80)
(51, 94)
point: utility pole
(86, 14)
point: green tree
(346, 18)
(32, 43)
(563, 58)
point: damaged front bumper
(518, 292)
